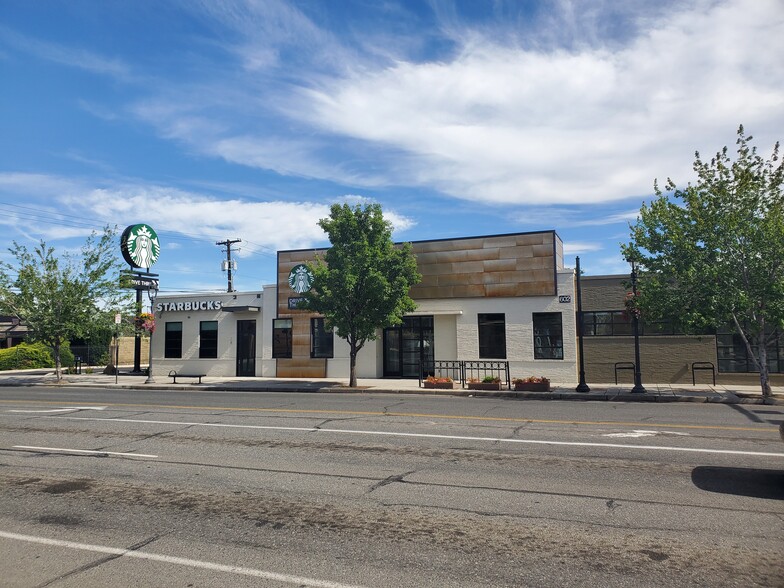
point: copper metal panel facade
(494, 266)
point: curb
(693, 397)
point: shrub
(491, 380)
(26, 356)
(66, 356)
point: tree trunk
(761, 358)
(763, 367)
(352, 378)
(58, 366)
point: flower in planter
(491, 380)
(438, 380)
(531, 380)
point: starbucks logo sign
(300, 278)
(140, 246)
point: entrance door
(408, 346)
(246, 348)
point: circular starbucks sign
(140, 246)
(300, 278)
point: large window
(321, 340)
(281, 338)
(608, 323)
(548, 335)
(492, 336)
(734, 357)
(208, 339)
(173, 340)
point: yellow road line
(406, 414)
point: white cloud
(576, 247)
(509, 125)
(70, 56)
(77, 207)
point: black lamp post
(582, 386)
(152, 293)
(638, 387)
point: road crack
(100, 561)
(389, 480)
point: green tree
(60, 298)
(362, 283)
(712, 253)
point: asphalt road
(195, 489)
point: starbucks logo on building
(300, 278)
(140, 246)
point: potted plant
(531, 384)
(439, 383)
(486, 383)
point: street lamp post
(152, 293)
(638, 387)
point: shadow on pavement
(751, 482)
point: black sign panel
(294, 302)
(565, 299)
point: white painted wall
(225, 364)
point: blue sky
(226, 119)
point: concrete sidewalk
(726, 394)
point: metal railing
(462, 370)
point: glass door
(246, 348)
(408, 346)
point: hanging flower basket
(145, 322)
(632, 305)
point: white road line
(434, 436)
(64, 409)
(82, 451)
(180, 561)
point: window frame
(208, 351)
(558, 347)
(491, 345)
(279, 332)
(170, 340)
(321, 338)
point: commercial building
(501, 297)
(666, 356)
(495, 298)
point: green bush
(26, 356)
(66, 356)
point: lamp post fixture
(638, 387)
(152, 294)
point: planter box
(532, 386)
(439, 385)
(484, 386)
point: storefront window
(734, 357)
(492, 336)
(173, 340)
(281, 338)
(321, 340)
(548, 335)
(208, 339)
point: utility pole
(228, 243)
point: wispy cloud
(264, 226)
(66, 55)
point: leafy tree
(61, 298)
(712, 253)
(362, 283)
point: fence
(463, 370)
